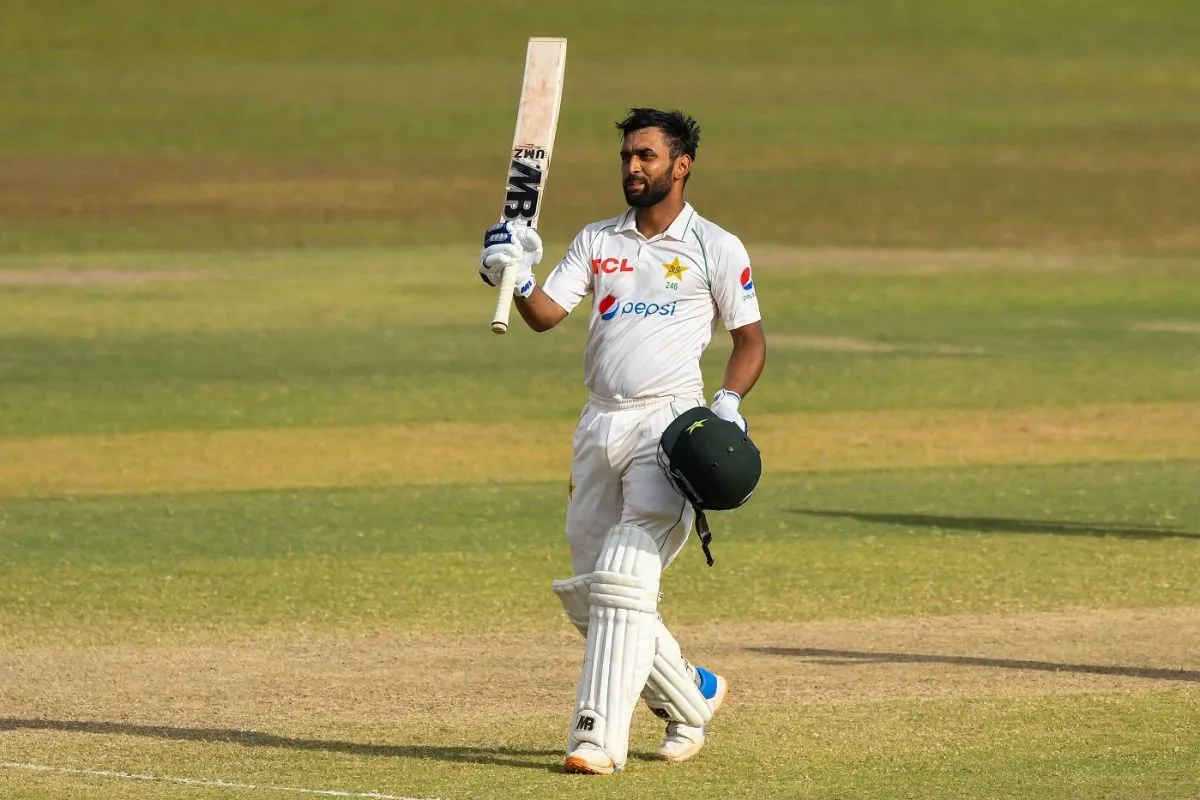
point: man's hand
(725, 405)
(510, 244)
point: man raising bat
(660, 276)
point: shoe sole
(675, 758)
(580, 766)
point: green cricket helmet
(711, 462)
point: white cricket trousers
(617, 479)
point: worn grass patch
(388, 713)
(419, 680)
(467, 452)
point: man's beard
(652, 194)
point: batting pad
(575, 595)
(620, 645)
(671, 691)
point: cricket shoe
(684, 741)
(588, 759)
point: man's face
(647, 169)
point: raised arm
(539, 311)
(511, 244)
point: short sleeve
(571, 280)
(732, 283)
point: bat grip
(504, 300)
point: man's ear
(683, 165)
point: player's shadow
(818, 655)
(1003, 524)
(501, 756)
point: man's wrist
(524, 288)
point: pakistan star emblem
(698, 423)
(675, 269)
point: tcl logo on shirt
(610, 265)
(611, 307)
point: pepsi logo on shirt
(611, 306)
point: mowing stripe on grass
(482, 452)
(206, 784)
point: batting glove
(725, 405)
(510, 244)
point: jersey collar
(677, 230)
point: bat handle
(504, 300)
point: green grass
(1085, 747)
(1062, 124)
(812, 546)
(335, 338)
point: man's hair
(681, 131)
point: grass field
(278, 516)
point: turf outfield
(246, 341)
(329, 592)
(278, 516)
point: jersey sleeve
(571, 280)
(733, 285)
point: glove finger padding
(495, 259)
(500, 233)
(530, 242)
(498, 256)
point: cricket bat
(533, 142)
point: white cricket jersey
(655, 302)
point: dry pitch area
(364, 697)
(261, 684)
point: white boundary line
(207, 784)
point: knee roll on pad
(622, 625)
(574, 593)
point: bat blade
(533, 143)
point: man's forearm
(539, 311)
(747, 360)
(744, 367)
